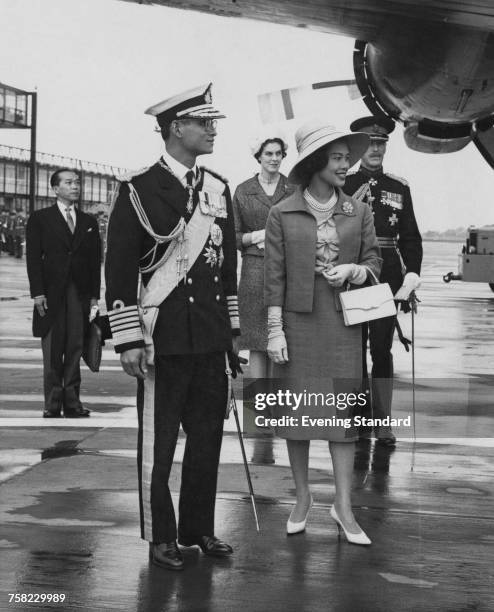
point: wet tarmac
(68, 498)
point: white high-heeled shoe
(298, 527)
(354, 538)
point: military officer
(401, 248)
(172, 225)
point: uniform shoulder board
(215, 174)
(398, 178)
(124, 178)
(351, 172)
(128, 176)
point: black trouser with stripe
(187, 390)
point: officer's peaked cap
(196, 103)
(377, 126)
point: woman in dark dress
(319, 240)
(252, 202)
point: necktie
(189, 177)
(70, 221)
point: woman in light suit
(317, 242)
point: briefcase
(367, 304)
(93, 346)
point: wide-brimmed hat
(317, 133)
(267, 133)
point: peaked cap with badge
(195, 103)
(377, 126)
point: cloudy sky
(97, 64)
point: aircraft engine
(439, 82)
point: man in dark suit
(172, 225)
(64, 269)
(389, 198)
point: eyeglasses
(206, 124)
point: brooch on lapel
(347, 208)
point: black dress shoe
(52, 414)
(166, 555)
(210, 545)
(387, 442)
(364, 432)
(78, 413)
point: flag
(285, 104)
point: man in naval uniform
(401, 249)
(172, 226)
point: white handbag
(368, 303)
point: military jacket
(200, 314)
(394, 220)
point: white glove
(260, 245)
(277, 347)
(338, 275)
(93, 312)
(410, 283)
(257, 236)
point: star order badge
(211, 256)
(347, 207)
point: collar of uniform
(371, 173)
(178, 169)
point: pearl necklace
(320, 206)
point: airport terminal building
(97, 180)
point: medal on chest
(212, 204)
(389, 198)
(216, 235)
(214, 251)
(393, 219)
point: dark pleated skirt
(325, 357)
(253, 314)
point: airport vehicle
(476, 261)
(426, 63)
